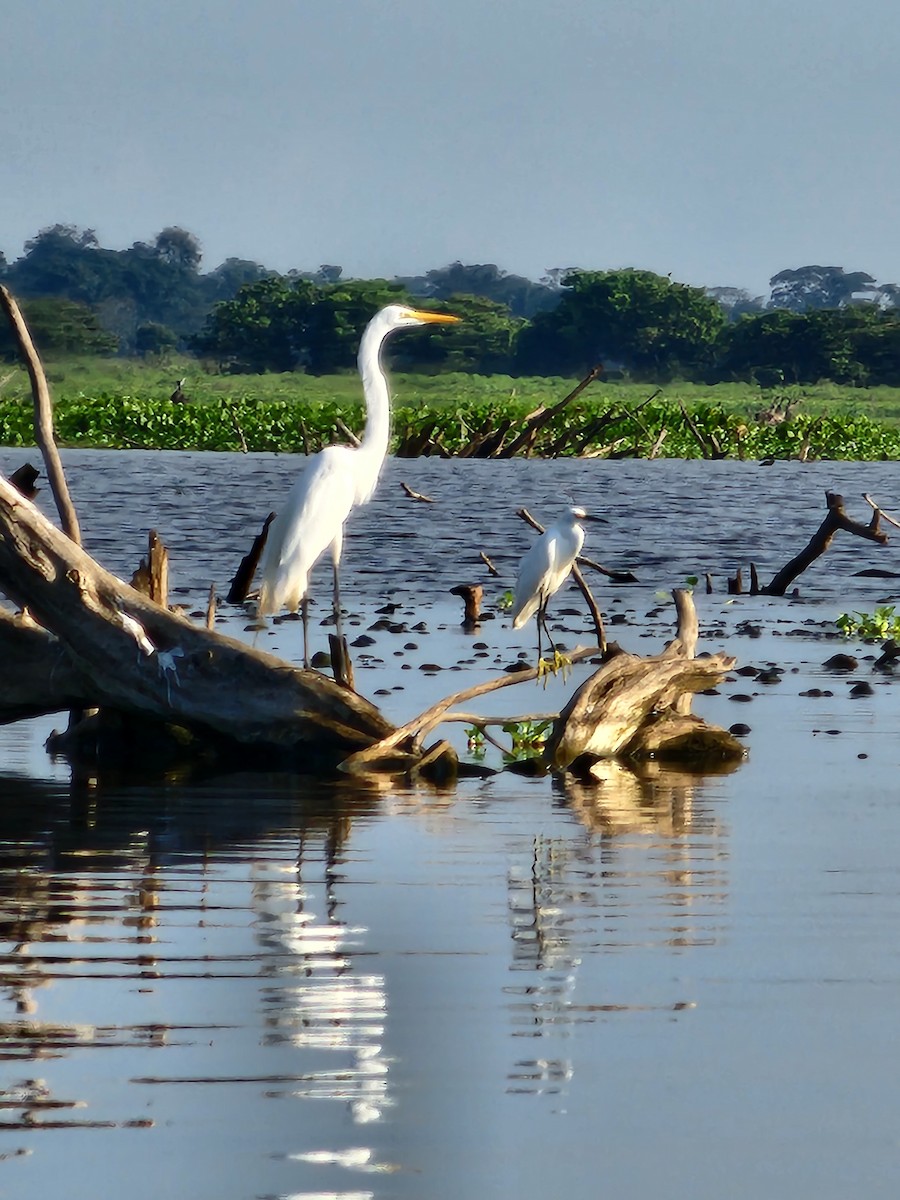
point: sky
(718, 141)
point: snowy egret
(543, 571)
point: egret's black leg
(304, 613)
(337, 601)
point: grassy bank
(121, 403)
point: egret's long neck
(375, 440)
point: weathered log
(638, 707)
(403, 744)
(139, 658)
(603, 717)
(39, 676)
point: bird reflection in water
(320, 1002)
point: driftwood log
(101, 643)
(639, 708)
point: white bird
(545, 568)
(336, 480)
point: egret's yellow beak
(434, 318)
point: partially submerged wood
(152, 576)
(130, 654)
(638, 707)
(471, 595)
(243, 576)
(836, 518)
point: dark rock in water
(388, 609)
(876, 573)
(618, 619)
(320, 659)
(748, 670)
(772, 675)
(748, 629)
(531, 768)
(363, 640)
(517, 666)
(741, 698)
(862, 689)
(705, 692)
(430, 667)
(816, 693)
(841, 662)
(739, 729)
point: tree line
(817, 323)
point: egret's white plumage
(545, 568)
(336, 480)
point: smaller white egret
(543, 571)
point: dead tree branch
(43, 417)
(835, 519)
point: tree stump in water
(638, 708)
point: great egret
(545, 568)
(336, 480)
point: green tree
(842, 344)
(59, 326)
(153, 338)
(264, 328)
(523, 297)
(179, 248)
(817, 287)
(484, 342)
(645, 322)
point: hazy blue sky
(716, 140)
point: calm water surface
(668, 986)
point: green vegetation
(267, 361)
(882, 623)
(121, 403)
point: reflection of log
(132, 655)
(644, 797)
(635, 707)
(835, 519)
